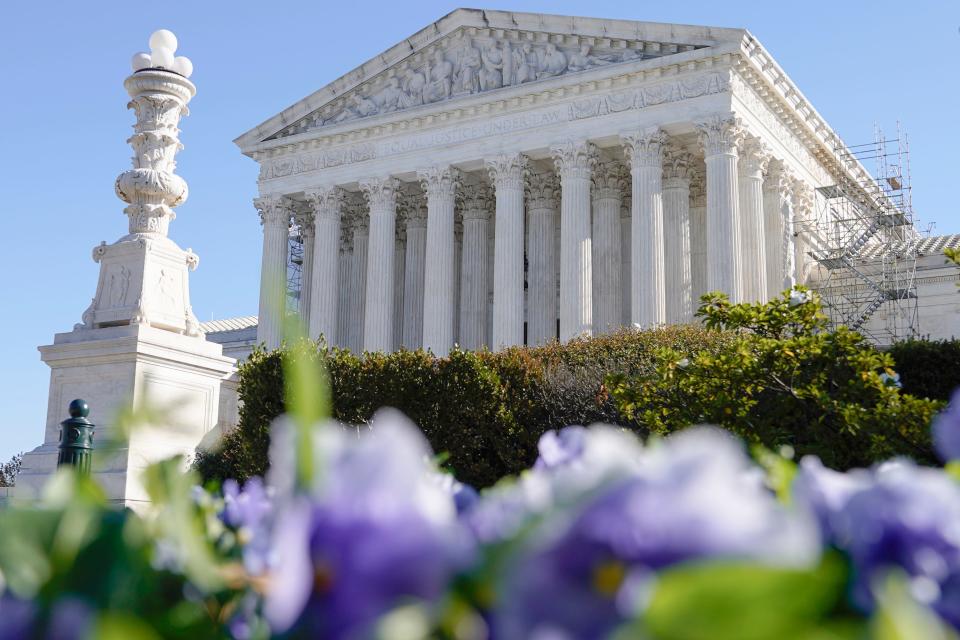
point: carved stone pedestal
(117, 369)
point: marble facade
(506, 178)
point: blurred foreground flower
(373, 532)
(896, 517)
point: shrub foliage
(771, 373)
(928, 368)
(784, 380)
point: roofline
(483, 19)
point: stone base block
(169, 382)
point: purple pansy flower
(694, 495)
(946, 430)
(896, 517)
(376, 531)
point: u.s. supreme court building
(505, 178)
(496, 179)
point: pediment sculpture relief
(466, 66)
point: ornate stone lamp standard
(139, 341)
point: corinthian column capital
(439, 182)
(644, 148)
(381, 193)
(478, 201)
(274, 210)
(779, 179)
(610, 180)
(304, 220)
(574, 159)
(326, 202)
(754, 156)
(542, 191)
(719, 134)
(507, 170)
(802, 198)
(677, 163)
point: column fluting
(575, 162)
(326, 204)
(399, 286)
(719, 138)
(626, 271)
(344, 282)
(275, 212)
(644, 150)
(698, 236)
(753, 270)
(440, 185)
(381, 195)
(798, 230)
(477, 202)
(543, 198)
(413, 277)
(506, 174)
(676, 227)
(609, 183)
(776, 189)
(358, 281)
(304, 221)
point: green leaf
(307, 395)
(900, 617)
(742, 601)
(176, 521)
(118, 626)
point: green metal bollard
(76, 438)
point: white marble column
(381, 195)
(344, 292)
(457, 272)
(358, 280)
(609, 183)
(626, 270)
(752, 163)
(676, 235)
(543, 197)
(327, 207)
(275, 214)
(477, 203)
(399, 286)
(506, 174)
(413, 277)
(799, 231)
(440, 185)
(777, 211)
(644, 150)
(719, 136)
(698, 236)
(575, 162)
(304, 221)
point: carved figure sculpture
(441, 78)
(552, 63)
(525, 64)
(491, 77)
(388, 98)
(579, 60)
(468, 77)
(413, 85)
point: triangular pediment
(471, 52)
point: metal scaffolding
(867, 250)
(294, 268)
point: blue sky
(65, 123)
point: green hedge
(928, 368)
(485, 410)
